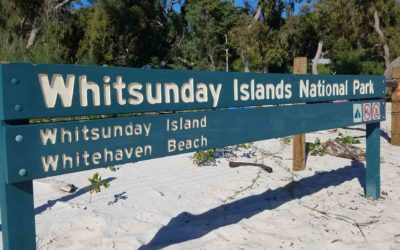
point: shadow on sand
(66, 198)
(186, 226)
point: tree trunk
(245, 60)
(255, 18)
(62, 4)
(382, 39)
(212, 66)
(256, 15)
(33, 35)
(265, 68)
(226, 54)
(393, 64)
(36, 27)
(317, 57)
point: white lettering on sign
(49, 136)
(261, 91)
(363, 88)
(134, 93)
(86, 158)
(321, 89)
(57, 88)
(118, 92)
(185, 124)
(188, 144)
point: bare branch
(62, 4)
(256, 16)
(382, 39)
(317, 57)
(33, 34)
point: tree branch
(382, 39)
(36, 27)
(33, 35)
(317, 57)
(62, 4)
(256, 16)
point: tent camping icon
(357, 114)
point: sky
(177, 8)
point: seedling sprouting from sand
(96, 183)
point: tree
(208, 23)
(122, 33)
(25, 21)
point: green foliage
(347, 139)
(204, 34)
(355, 62)
(205, 157)
(286, 140)
(245, 145)
(324, 69)
(112, 168)
(97, 183)
(208, 22)
(122, 33)
(316, 148)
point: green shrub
(316, 148)
(347, 139)
(204, 158)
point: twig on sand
(245, 188)
(39, 240)
(344, 218)
(235, 164)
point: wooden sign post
(396, 108)
(33, 151)
(299, 141)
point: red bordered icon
(376, 111)
(367, 112)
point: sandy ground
(173, 204)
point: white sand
(171, 203)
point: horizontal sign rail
(67, 147)
(34, 91)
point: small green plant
(204, 158)
(112, 168)
(347, 139)
(96, 183)
(316, 148)
(286, 140)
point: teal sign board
(235, 108)
(65, 90)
